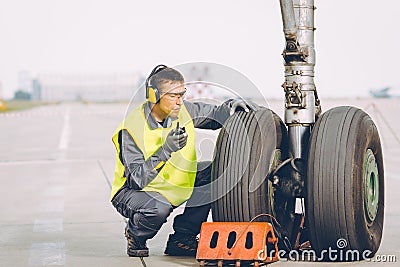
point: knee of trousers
(159, 212)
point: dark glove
(239, 104)
(175, 142)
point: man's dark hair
(167, 74)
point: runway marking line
(45, 254)
(65, 131)
(46, 226)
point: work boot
(181, 245)
(136, 247)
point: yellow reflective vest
(175, 180)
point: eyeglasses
(175, 96)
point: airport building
(97, 87)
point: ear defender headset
(152, 93)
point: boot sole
(174, 252)
(138, 253)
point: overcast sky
(356, 41)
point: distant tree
(22, 95)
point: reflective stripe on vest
(176, 179)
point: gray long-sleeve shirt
(140, 172)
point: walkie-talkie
(179, 130)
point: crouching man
(156, 167)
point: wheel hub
(371, 185)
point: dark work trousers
(148, 211)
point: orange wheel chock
(237, 241)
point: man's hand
(175, 142)
(239, 104)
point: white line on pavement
(45, 254)
(52, 225)
(65, 131)
(45, 161)
(55, 191)
(52, 206)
